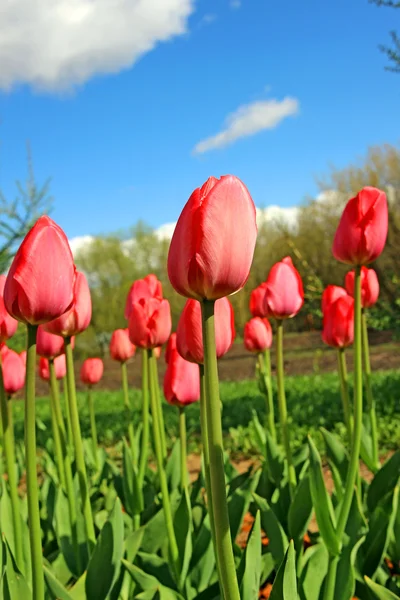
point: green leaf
(274, 459)
(260, 433)
(336, 453)
(384, 481)
(62, 526)
(250, 566)
(173, 470)
(380, 592)
(314, 566)
(154, 565)
(105, 562)
(14, 585)
(78, 591)
(366, 448)
(55, 588)
(278, 541)
(285, 584)
(183, 533)
(149, 583)
(322, 502)
(155, 532)
(133, 495)
(300, 510)
(239, 502)
(202, 562)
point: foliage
(392, 53)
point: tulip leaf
(15, 586)
(202, 563)
(314, 566)
(345, 576)
(249, 572)
(274, 459)
(105, 562)
(260, 433)
(336, 453)
(155, 532)
(322, 502)
(183, 533)
(148, 583)
(55, 588)
(384, 481)
(300, 510)
(173, 469)
(239, 502)
(62, 526)
(379, 591)
(278, 541)
(366, 448)
(285, 583)
(133, 495)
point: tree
(18, 215)
(393, 52)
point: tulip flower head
(362, 230)
(181, 381)
(60, 367)
(338, 323)
(257, 335)
(121, 347)
(149, 287)
(213, 243)
(13, 372)
(369, 286)
(39, 285)
(77, 318)
(157, 352)
(189, 334)
(257, 301)
(92, 371)
(150, 323)
(284, 295)
(330, 294)
(23, 356)
(48, 344)
(171, 345)
(8, 325)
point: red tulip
(369, 286)
(171, 345)
(48, 344)
(189, 334)
(150, 323)
(284, 296)
(23, 356)
(92, 371)
(157, 352)
(257, 301)
(8, 325)
(181, 381)
(362, 230)
(13, 372)
(338, 327)
(330, 294)
(77, 318)
(213, 244)
(121, 347)
(149, 287)
(39, 285)
(60, 367)
(257, 335)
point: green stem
(173, 547)
(368, 389)
(154, 374)
(344, 390)
(265, 368)
(330, 580)
(128, 410)
(78, 445)
(9, 456)
(144, 451)
(35, 534)
(70, 437)
(218, 504)
(283, 408)
(93, 428)
(56, 438)
(182, 437)
(69, 481)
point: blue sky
(120, 146)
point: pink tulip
(150, 323)
(121, 347)
(8, 325)
(330, 294)
(23, 356)
(39, 285)
(77, 318)
(257, 301)
(13, 372)
(48, 344)
(284, 296)
(362, 230)
(92, 371)
(338, 325)
(257, 335)
(149, 287)
(181, 381)
(157, 351)
(189, 334)
(213, 243)
(60, 367)
(369, 286)
(171, 345)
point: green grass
(313, 402)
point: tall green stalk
(344, 391)
(353, 469)
(283, 408)
(154, 375)
(70, 437)
(173, 547)
(368, 389)
(144, 450)
(9, 455)
(78, 445)
(128, 410)
(93, 428)
(265, 369)
(69, 481)
(183, 443)
(218, 505)
(56, 439)
(35, 533)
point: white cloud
(56, 44)
(248, 120)
(235, 4)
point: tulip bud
(150, 323)
(338, 326)
(369, 286)
(60, 367)
(284, 295)
(171, 345)
(121, 347)
(8, 325)
(257, 301)
(92, 371)
(189, 334)
(77, 318)
(330, 294)
(48, 344)
(362, 230)
(213, 243)
(149, 287)
(39, 285)
(181, 381)
(23, 356)
(13, 372)
(257, 335)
